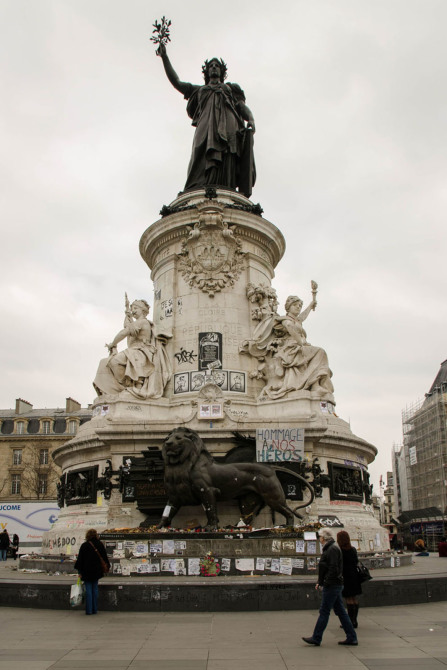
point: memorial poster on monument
(279, 445)
(299, 546)
(288, 544)
(142, 568)
(168, 546)
(312, 547)
(193, 566)
(310, 535)
(275, 565)
(116, 568)
(245, 564)
(260, 563)
(210, 351)
(285, 566)
(179, 566)
(225, 564)
(140, 549)
(311, 564)
(298, 563)
(125, 568)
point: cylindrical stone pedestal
(209, 255)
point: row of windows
(17, 455)
(16, 484)
(45, 427)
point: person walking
(442, 547)
(330, 579)
(4, 544)
(351, 582)
(89, 566)
(15, 546)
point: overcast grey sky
(350, 103)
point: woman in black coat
(88, 564)
(351, 582)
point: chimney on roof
(23, 406)
(72, 405)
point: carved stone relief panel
(346, 482)
(80, 486)
(211, 257)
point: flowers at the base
(237, 531)
(209, 567)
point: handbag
(104, 566)
(363, 573)
(77, 593)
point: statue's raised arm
(222, 150)
(171, 74)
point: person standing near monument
(15, 546)
(330, 579)
(88, 565)
(222, 150)
(4, 544)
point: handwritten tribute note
(277, 445)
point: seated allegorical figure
(290, 363)
(143, 368)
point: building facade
(28, 437)
(401, 465)
(420, 467)
(425, 442)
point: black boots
(352, 613)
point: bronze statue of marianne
(222, 150)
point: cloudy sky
(350, 103)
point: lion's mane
(181, 450)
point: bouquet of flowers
(209, 567)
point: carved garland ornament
(211, 257)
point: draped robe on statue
(143, 368)
(295, 364)
(222, 150)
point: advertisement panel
(29, 521)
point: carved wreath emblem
(211, 257)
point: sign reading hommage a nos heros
(276, 445)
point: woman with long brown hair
(351, 582)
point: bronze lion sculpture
(192, 477)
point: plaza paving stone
(407, 637)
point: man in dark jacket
(330, 579)
(4, 544)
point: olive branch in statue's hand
(161, 37)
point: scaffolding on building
(425, 444)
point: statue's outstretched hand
(112, 349)
(161, 51)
